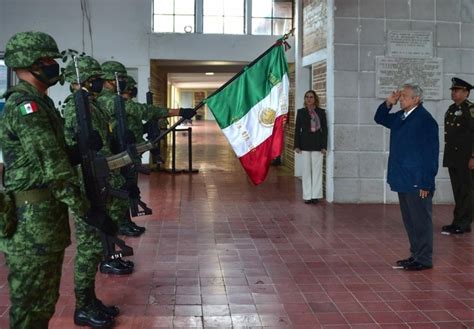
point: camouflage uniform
(119, 210)
(38, 173)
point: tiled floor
(219, 252)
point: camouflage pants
(34, 288)
(88, 257)
(117, 208)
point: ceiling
(198, 80)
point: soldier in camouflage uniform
(39, 175)
(459, 156)
(106, 102)
(89, 309)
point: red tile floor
(221, 253)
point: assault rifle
(96, 169)
(124, 142)
(152, 129)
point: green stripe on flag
(253, 85)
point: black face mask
(134, 92)
(47, 73)
(122, 85)
(96, 85)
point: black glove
(187, 113)
(95, 141)
(101, 220)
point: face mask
(96, 85)
(47, 73)
(122, 85)
(134, 92)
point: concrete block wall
(360, 29)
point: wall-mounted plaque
(314, 26)
(410, 43)
(392, 73)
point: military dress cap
(460, 84)
(88, 67)
(24, 48)
(110, 67)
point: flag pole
(279, 42)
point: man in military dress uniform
(38, 173)
(459, 155)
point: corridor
(221, 253)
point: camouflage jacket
(106, 101)
(34, 153)
(101, 122)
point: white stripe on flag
(247, 133)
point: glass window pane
(213, 24)
(281, 26)
(234, 7)
(261, 26)
(163, 6)
(213, 7)
(183, 7)
(262, 8)
(234, 25)
(184, 24)
(282, 9)
(163, 23)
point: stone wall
(360, 30)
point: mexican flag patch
(28, 108)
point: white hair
(417, 90)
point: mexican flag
(251, 111)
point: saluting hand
(392, 99)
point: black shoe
(110, 310)
(446, 229)
(129, 230)
(127, 263)
(308, 201)
(136, 227)
(404, 262)
(114, 266)
(314, 201)
(415, 266)
(92, 317)
(455, 229)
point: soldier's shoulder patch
(28, 107)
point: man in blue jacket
(412, 167)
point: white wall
(121, 30)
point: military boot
(115, 266)
(132, 224)
(128, 229)
(110, 310)
(86, 312)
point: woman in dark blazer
(311, 138)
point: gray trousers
(417, 218)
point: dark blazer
(414, 149)
(306, 140)
(459, 135)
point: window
(223, 16)
(271, 17)
(173, 16)
(264, 17)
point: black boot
(127, 263)
(110, 310)
(129, 230)
(92, 317)
(114, 266)
(88, 314)
(138, 228)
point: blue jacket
(414, 149)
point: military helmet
(130, 82)
(24, 48)
(110, 67)
(88, 67)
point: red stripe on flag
(257, 162)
